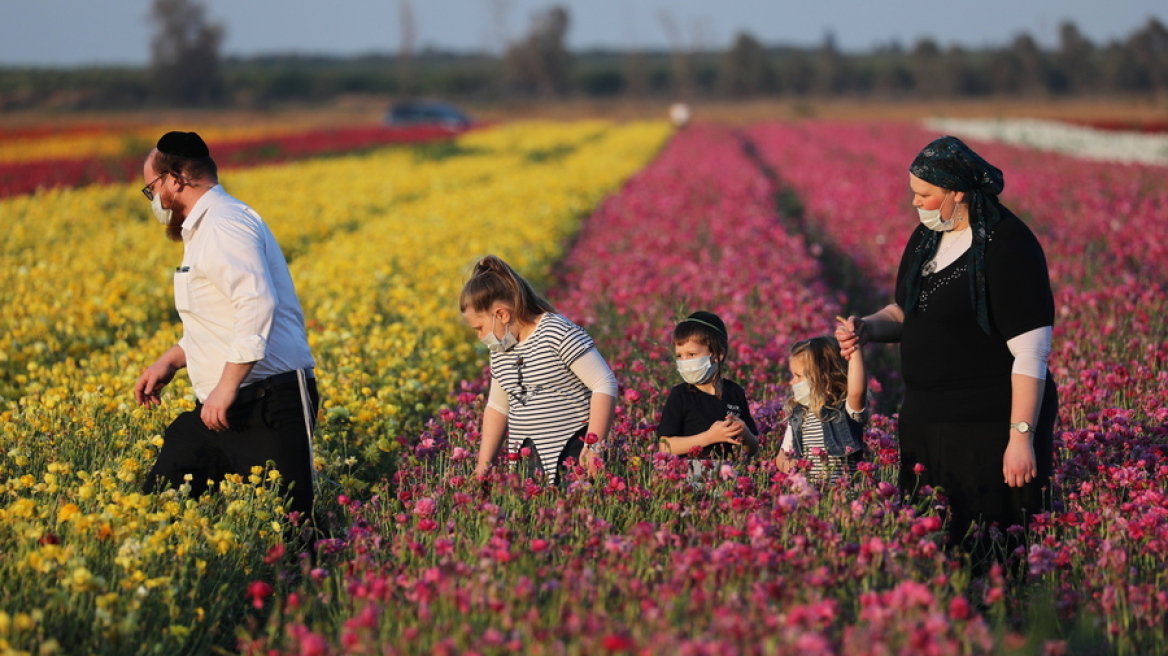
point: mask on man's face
(163, 215)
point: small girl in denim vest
(827, 409)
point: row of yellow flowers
(85, 269)
(378, 245)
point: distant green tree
(185, 61)
(636, 73)
(928, 69)
(747, 71)
(1075, 60)
(1033, 70)
(1149, 48)
(832, 74)
(1122, 70)
(540, 63)
(796, 73)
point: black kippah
(183, 144)
(707, 319)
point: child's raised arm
(857, 381)
(857, 377)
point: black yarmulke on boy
(709, 319)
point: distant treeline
(539, 65)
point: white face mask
(932, 218)
(496, 345)
(163, 215)
(697, 371)
(802, 392)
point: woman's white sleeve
(1031, 350)
(497, 397)
(593, 371)
(788, 440)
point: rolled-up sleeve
(240, 273)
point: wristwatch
(1022, 427)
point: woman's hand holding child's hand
(848, 333)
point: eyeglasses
(148, 190)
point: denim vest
(842, 436)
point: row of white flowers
(1064, 138)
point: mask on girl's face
(932, 218)
(496, 345)
(697, 371)
(163, 215)
(802, 392)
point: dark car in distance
(427, 112)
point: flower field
(87, 301)
(776, 227)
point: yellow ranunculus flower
(67, 512)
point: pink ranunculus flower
(425, 507)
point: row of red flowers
(27, 177)
(1147, 126)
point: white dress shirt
(235, 296)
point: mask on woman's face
(496, 345)
(932, 218)
(163, 215)
(697, 371)
(802, 392)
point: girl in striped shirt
(551, 391)
(827, 410)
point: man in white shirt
(244, 343)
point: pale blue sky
(79, 32)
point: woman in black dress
(973, 317)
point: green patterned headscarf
(949, 164)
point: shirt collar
(209, 200)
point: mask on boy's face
(802, 392)
(496, 345)
(697, 371)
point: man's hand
(214, 413)
(148, 389)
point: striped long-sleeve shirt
(546, 401)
